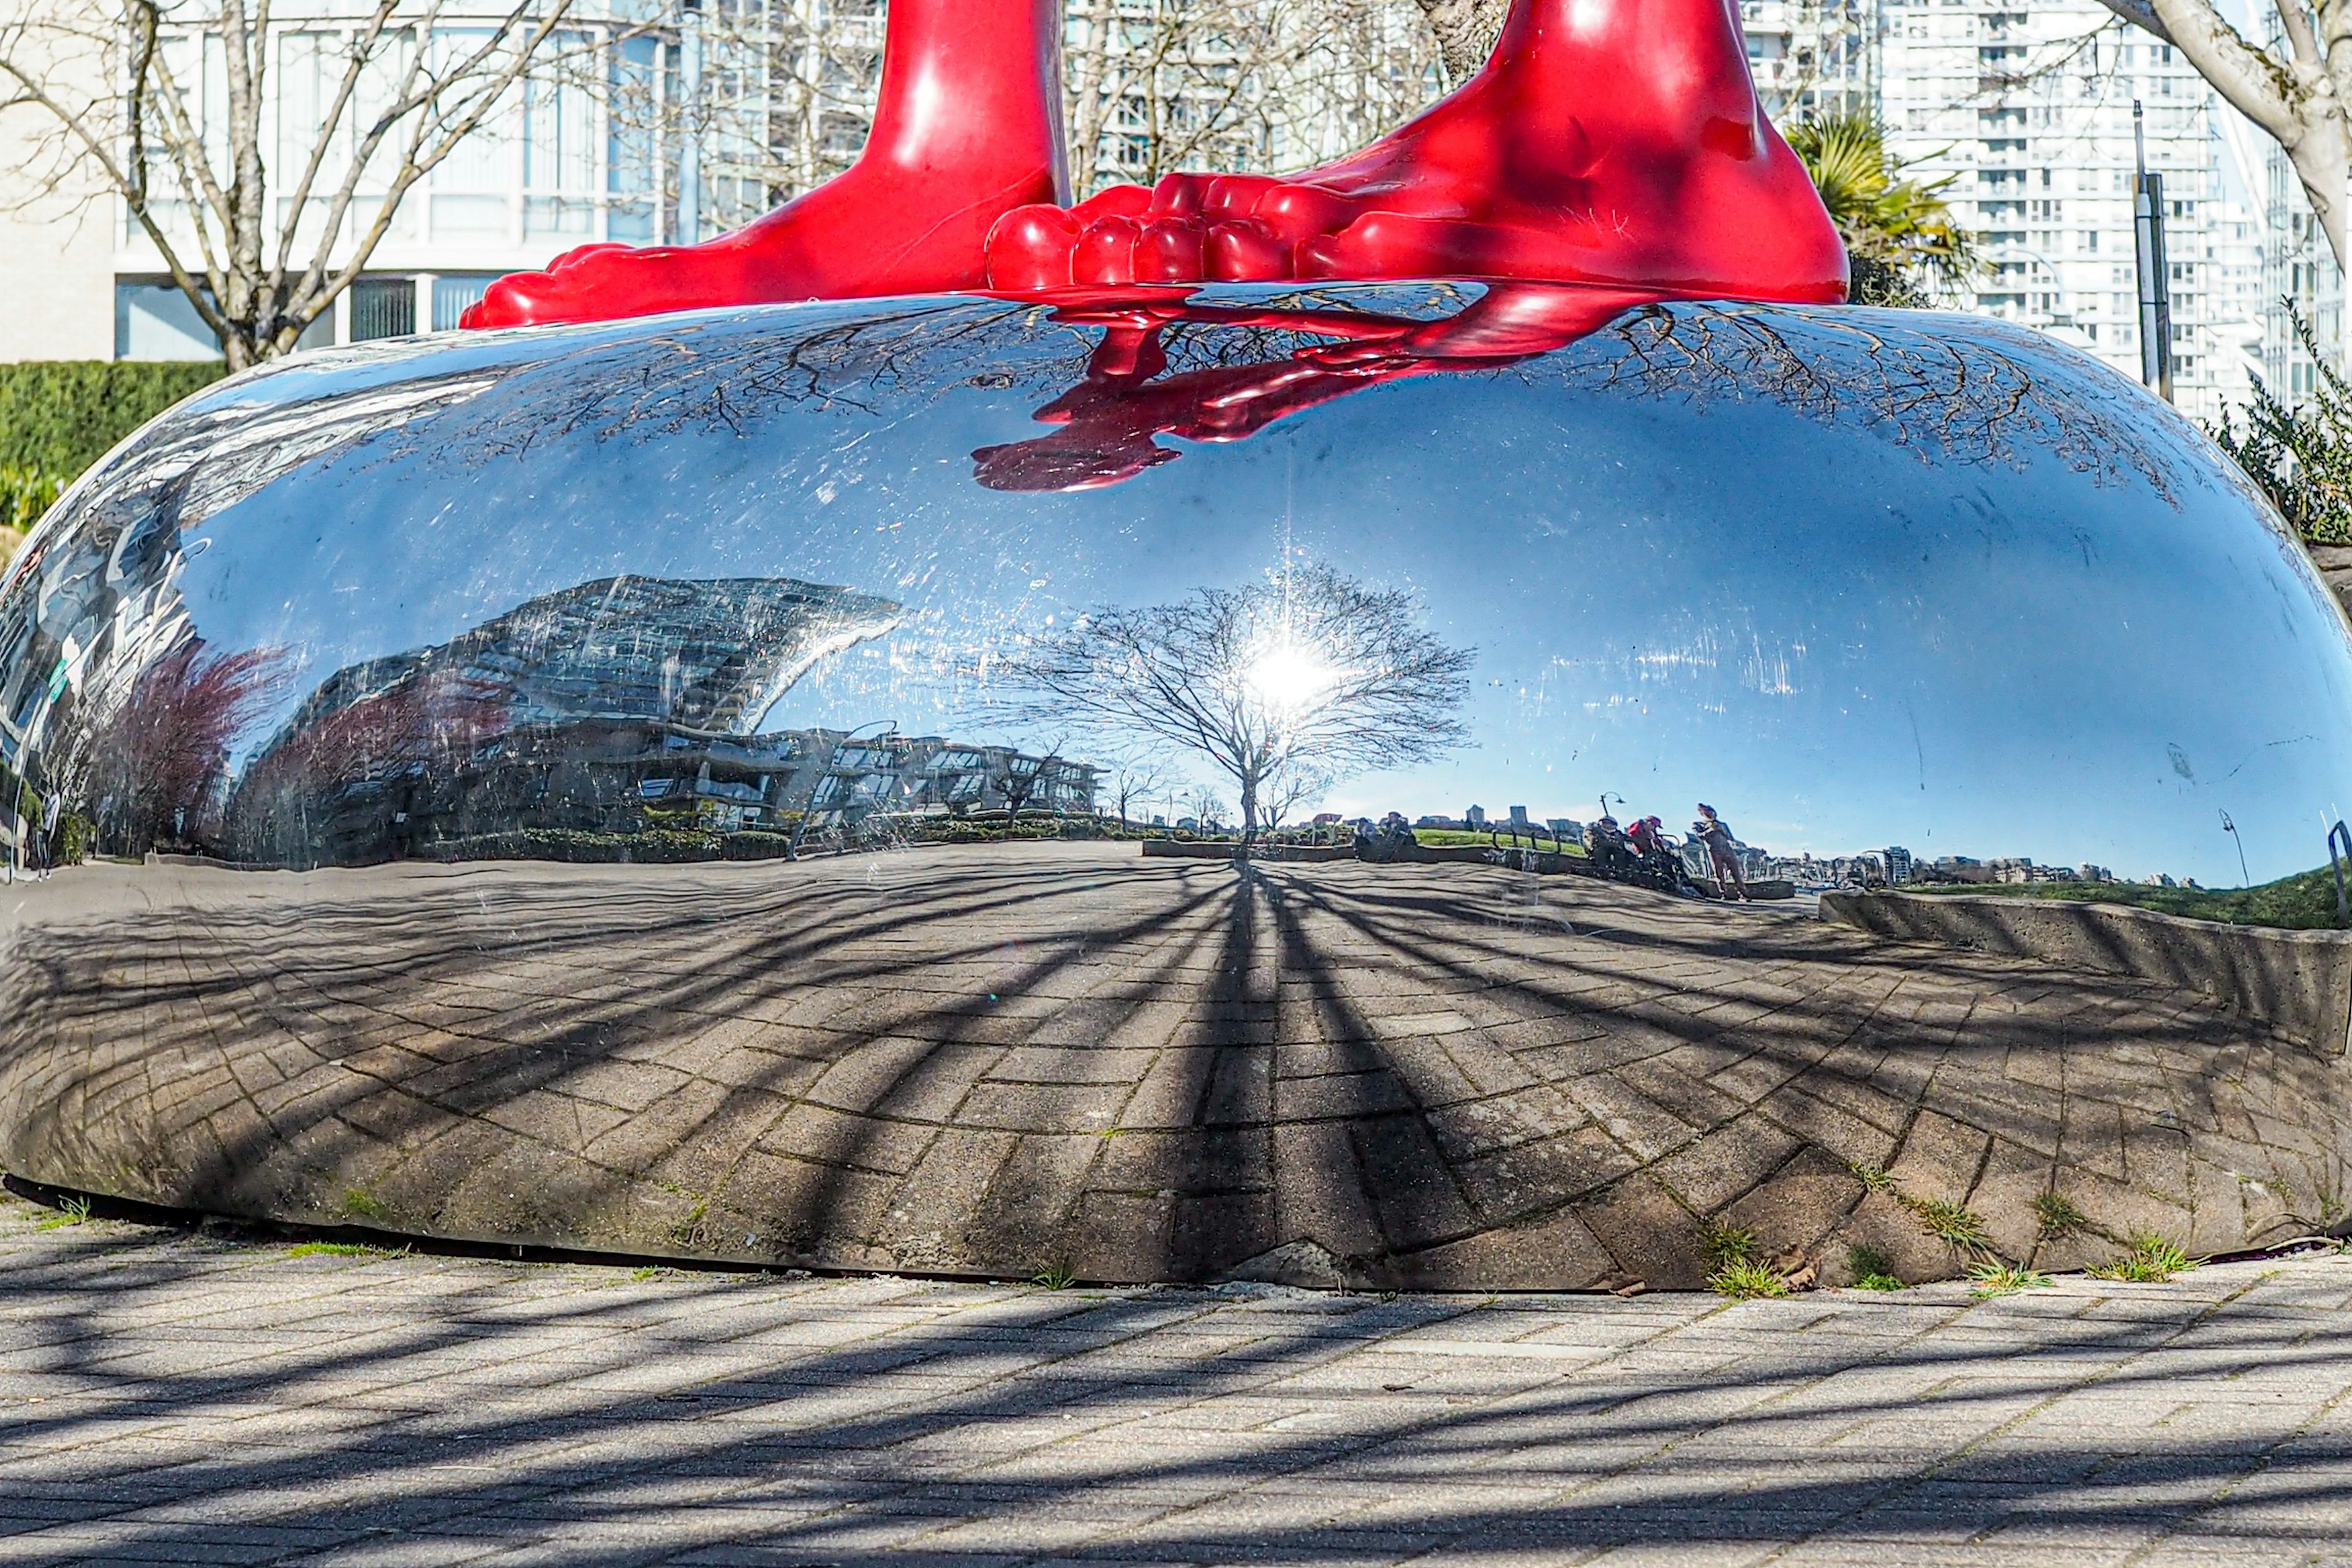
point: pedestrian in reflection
(1722, 850)
(44, 841)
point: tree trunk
(1466, 31)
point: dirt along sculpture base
(677, 787)
(1006, 1060)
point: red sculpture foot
(1614, 142)
(969, 128)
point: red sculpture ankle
(968, 127)
(1614, 142)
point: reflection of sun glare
(1289, 678)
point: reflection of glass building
(615, 707)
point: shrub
(2300, 457)
(25, 494)
(59, 417)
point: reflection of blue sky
(1838, 644)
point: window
(453, 292)
(156, 322)
(383, 308)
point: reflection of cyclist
(1606, 843)
(1387, 843)
(1722, 849)
(1648, 836)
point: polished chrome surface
(359, 677)
(1855, 578)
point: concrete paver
(181, 1397)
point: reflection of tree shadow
(923, 1063)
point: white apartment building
(2030, 107)
(1813, 57)
(571, 157)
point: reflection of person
(1722, 849)
(45, 842)
(1647, 836)
(1388, 842)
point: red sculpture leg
(968, 128)
(1614, 141)
(1107, 425)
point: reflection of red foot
(969, 128)
(1610, 142)
(1109, 423)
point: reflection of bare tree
(1987, 395)
(1309, 671)
(157, 763)
(1135, 780)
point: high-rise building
(1813, 57)
(2028, 108)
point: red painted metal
(969, 127)
(1108, 421)
(1615, 142)
(1608, 141)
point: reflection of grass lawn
(1452, 838)
(2305, 902)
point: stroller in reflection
(1642, 855)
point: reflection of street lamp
(2246, 878)
(799, 828)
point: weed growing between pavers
(1872, 1178)
(2152, 1260)
(72, 1211)
(1957, 1227)
(1738, 1269)
(1056, 1277)
(1990, 1280)
(361, 1203)
(2058, 1217)
(1872, 1270)
(342, 1249)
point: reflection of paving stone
(997, 1060)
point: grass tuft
(1727, 1243)
(339, 1250)
(1992, 1279)
(72, 1211)
(2058, 1217)
(1744, 1280)
(1872, 1268)
(2152, 1260)
(1951, 1224)
(1056, 1278)
(1872, 1178)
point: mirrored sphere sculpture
(930, 785)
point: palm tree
(1899, 233)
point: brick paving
(1003, 1060)
(175, 1396)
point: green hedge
(58, 417)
